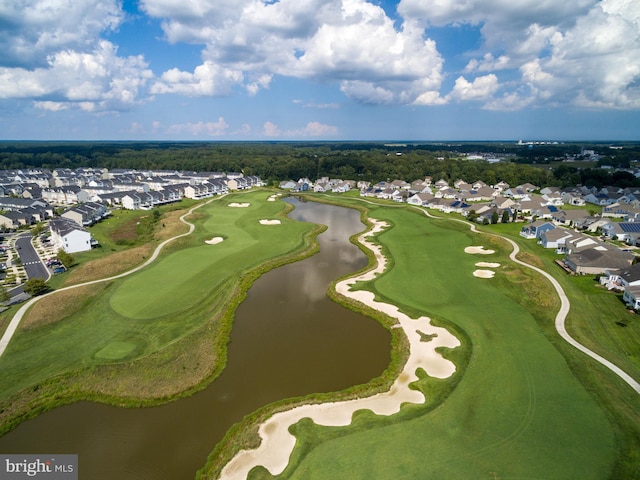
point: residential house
(573, 198)
(601, 199)
(86, 214)
(288, 185)
(12, 219)
(69, 236)
(596, 261)
(555, 238)
(517, 193)
(536, 229)
(400, 185)
(570, 217)
(628, 232)
(631, 297)
(420, 199)
(528, 187)
(620, 279)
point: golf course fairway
(517, 411)
(129, 318)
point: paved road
(31, 262)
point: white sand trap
(241, 205)
(214, 240)
(269, 222)
(277, 443)
(487, 265)
(273, 197)
(484, 273)
(479, 250)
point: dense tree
(65, 258)
(358, 161)
(35, 287)
(5, 296)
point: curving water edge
(277, 443)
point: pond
(288, 339)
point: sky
(318, 70)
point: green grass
(148, 311)
(517, 412)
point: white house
(69, 236)
(631, 297)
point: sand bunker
(269, 222)
(479, 250)
(484, 273)
(272, 198)
(241, 205)
(277, 443)
(214, 240)
(487, 265)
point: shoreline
(277, 443)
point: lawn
(133, 317)
(518, 410)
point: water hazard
(288, 339)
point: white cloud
(95, 81)
(211, 129)
(51, 106)
(482, 88)
(311, 129)
(488, 63)
(51, 51)
(317, 129)
(270, 129)
(580, 52)
(33, 29)
(322, 106)
(351, 42)
(206, 79)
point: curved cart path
(561, 316)
(17, 318)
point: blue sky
(320, 70)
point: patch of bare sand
(269, 222)
(214, 240)
(239, 205)
(478, 250)
(484, 273)
(487, 265)
(277, 443)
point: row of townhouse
(17, 212)
(68, 187)
(583, 254)
(86, 214)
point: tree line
(373, 162)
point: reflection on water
(288, 339)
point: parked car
(60, 269)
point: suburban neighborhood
(593, 231)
